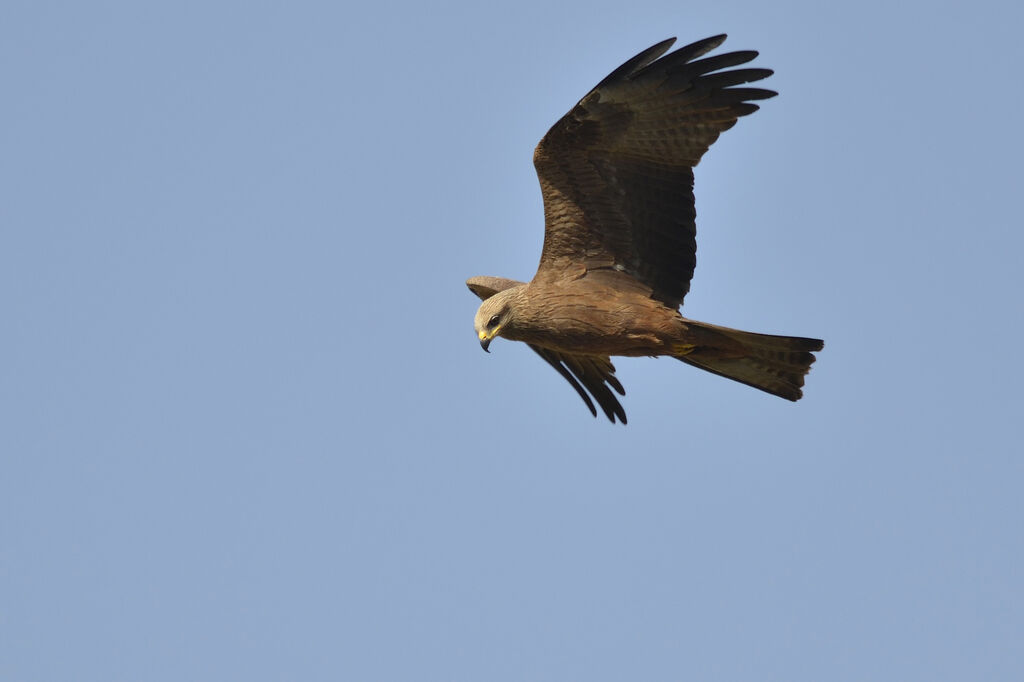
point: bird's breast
(599, 323)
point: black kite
(616, 173)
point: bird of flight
(619, 250)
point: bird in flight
(616, 173)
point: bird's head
(494, 317)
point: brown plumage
(619, 251)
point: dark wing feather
(617, 170)
(594, 373)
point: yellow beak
(485, 338)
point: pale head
(495, 316)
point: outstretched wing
(617, 170)
(583, 372)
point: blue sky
(248, 432)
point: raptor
(616, 174)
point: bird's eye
(494, 321)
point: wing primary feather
(556, 362)
(591, 373)
(719, 61)
(683, 55)
(611, 406)
(734, 77)
(603, 368)
(638, 62)
(613, 380)
(736, 95)
(743, 109)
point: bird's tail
(774, 364)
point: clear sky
(247, 431)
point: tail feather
(774, 364)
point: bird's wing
(616, 171)
(583, 372)
(595, 373)
(485, 287)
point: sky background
(247, 431)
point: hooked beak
(486, 337)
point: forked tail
(774, 364)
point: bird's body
(616, 174)
(627, 322)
